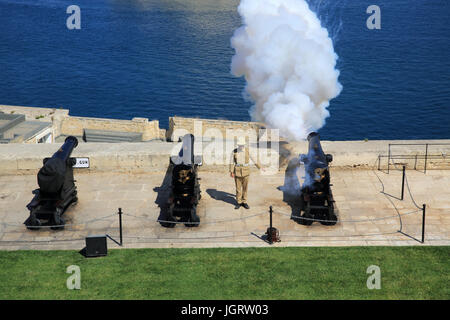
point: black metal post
(415, 162)
(389, 157)
(403, 182)
(423, 223)
(426, 157)
(379, 159)
(120, 225)
(270, 228)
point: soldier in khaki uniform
(240, 171)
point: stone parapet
(207, 128)
(154, 156)
(150, 129)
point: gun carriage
(316, 199)
(185, 187)
(57, 190)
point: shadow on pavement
(291, 188)
(222, 195)
(163, 193)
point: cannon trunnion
(57, 190)
(185, 188)
(316, 199)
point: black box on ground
(96, 246)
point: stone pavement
(365, 216)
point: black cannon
(57, 190)
(316, 199)
(185, 188)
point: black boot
(246, 206)
(238, 206)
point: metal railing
(425, 156)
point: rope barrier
(340, 236)
(388, 198)
(407, 185)
(62, 225)
(41, 241)
(348, 221)
(410, 194)
(192, 238)
(206, 222)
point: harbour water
(160, 58)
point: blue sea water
(159, 58)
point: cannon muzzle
(186, 155)
(66, 149)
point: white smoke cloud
(288, 61)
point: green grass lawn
(248, 273)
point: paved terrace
(366, 216)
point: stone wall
(207, 128)
(64, 124)
(53, 115)
(150, 129)
(154, 156)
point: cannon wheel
(296, 215)
(306, 215)
(32, 222)
(57, 221)
(332, 220)
(306, 222)
(169, 224)
(58, 224)
(169, 217)
(331, 217)
(194, 219)
(301, 203)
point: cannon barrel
(66, 149)
(186, 155)
(187, 149)
(52, 175)
(316, 161)
(315, 151)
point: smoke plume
(288, 61)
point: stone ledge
(154, 156)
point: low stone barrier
(209, 128)
(154, 156)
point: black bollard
(272, 233)
(270, 227)
(423, 222)
(403, 182)
(120, 225)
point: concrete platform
(366, 216)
